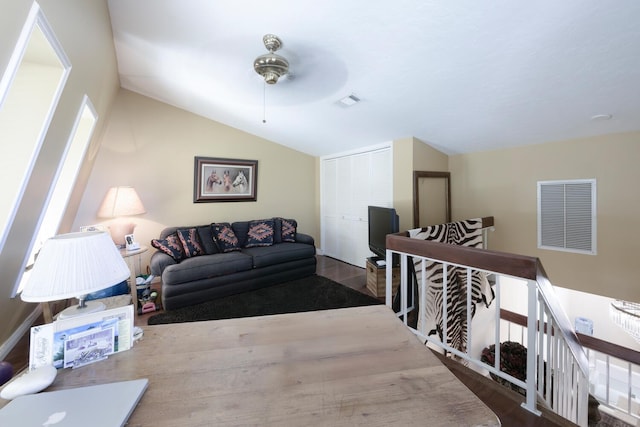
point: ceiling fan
(270, 65)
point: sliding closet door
(349, 185)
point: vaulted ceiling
(461, 75)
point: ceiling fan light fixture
(271, 66)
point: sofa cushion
(170, 245)
(277, 254)
(241, 228)
(260, 233)
(277, 230)
(284, 230)
(225, 237)
(289, 227)
(206, 266)
(190, 242)
(207, 240)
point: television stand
(377, 276)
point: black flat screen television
(382, 221)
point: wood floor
(503, 403)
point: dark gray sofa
(214, 273)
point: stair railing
(565, 365)
(614, 370)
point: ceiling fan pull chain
(264, 102)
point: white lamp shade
(74, 264)
(121, 201)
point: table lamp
(73, 265)
(119, 202)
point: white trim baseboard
(8, 345)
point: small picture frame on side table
(131, 244)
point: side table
(377, 279)
(131, 256)
(109, 303)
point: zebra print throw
(430, 318)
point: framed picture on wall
(224, 180)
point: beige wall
(84, 31)
(427, 158)
(151, 146)
(402, 181)
(411, 154)
(504, 184)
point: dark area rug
(308, 294)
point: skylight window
(29, 92)
(63, 184)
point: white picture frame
(130, 242)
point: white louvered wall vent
(567, 215)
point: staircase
(506, 403)
(613, 374)
(560, 351)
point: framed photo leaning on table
(130, 242)
(224, 180)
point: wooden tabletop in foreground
(347, 367)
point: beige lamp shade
(73, 265)
(119, 202)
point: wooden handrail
(562, 320)
(587, 341)
(497, 262)
(487, 222)
(615, 350)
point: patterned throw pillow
(225, 237)
(190, 242)
(260, 233)
(289, 230)
(206, 239)
(170, 245)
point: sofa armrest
(159, 261)
(304, 238)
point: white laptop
(108, 405)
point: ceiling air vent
(567, 215)
(348, 101)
